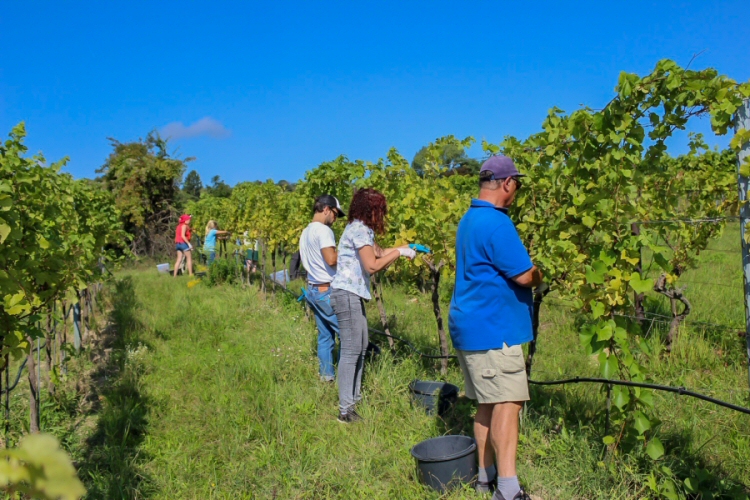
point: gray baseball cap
(501, 167)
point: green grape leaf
(595, 273)
(4, 231)
(668, 490)
(655, 449)
(662, 261)
(640, 285)
(41, 468)
(641, 422)
(691, 484)
(621, 397)
(608, 365)
(597, 309)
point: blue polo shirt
(488, 308)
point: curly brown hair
(370, 207)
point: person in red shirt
(182, 244)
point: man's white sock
(508, 487)
(487, 474)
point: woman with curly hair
(358, 257)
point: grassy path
(220, 399)
(235, 409)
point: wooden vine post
(435, 275)
(640, 311)
(742, 129)
(675, 295)
(33, 388)
(377, 292)
(49, 350)
(539, 294)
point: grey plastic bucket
(445, 462)
(431, 395)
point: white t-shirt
(315, 237)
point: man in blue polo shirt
(490, 317)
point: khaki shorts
(495, 375)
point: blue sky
(269, 90)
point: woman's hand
(407, 252)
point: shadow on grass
(110, 468)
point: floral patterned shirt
(350, 274)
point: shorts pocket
(511, 359)
(489, 373)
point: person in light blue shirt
(209, 246)
(489, 320)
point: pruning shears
(419, 248)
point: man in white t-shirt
(317, 249)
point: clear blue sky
(274, 88)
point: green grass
(212, 392)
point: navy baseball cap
(501, 167)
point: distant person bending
(182, 244)
(358, 258)
(209, 246)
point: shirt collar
(477, 203)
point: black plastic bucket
(445, 462)
(434, 394)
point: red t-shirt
(178, 234)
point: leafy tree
(145, 180)
(192, 185)
(219, 188)
(451, 156)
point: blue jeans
(211, 257)
(328, 328)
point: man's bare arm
(329, 255)
(530, 279)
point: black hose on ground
(678, 390)
(576, 380)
